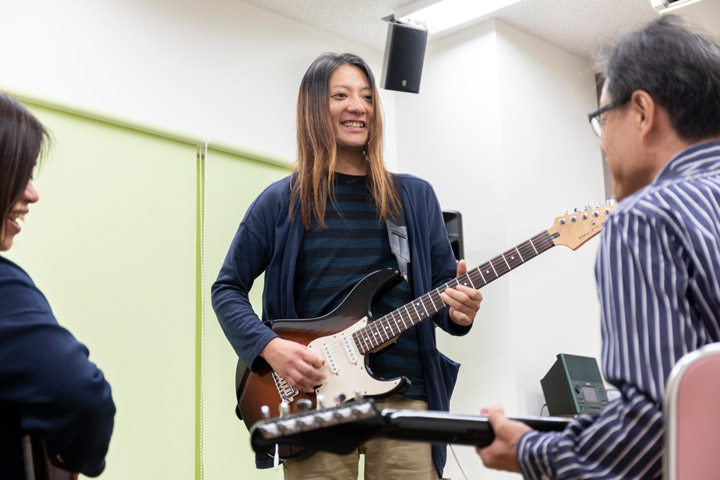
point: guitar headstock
(337, 430)
(574, 229)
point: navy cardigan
(47, 383)
(267, 242)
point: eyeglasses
(594, 117)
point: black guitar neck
(342, 429)
(442, 427)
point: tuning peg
(575, 210)
(610, 202)
(265, 410)
(304, 405)
(587, 207)
(340, 398)
(284, 409)
(320, 402)
(565, 212)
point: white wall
(221, 68)
(500, 129)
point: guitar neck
(392, 325)
(443, 427)
(342, 429)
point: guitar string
(499, 265)
(526, 250)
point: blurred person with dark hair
(318, 232)
(48, 387)
(658, 266)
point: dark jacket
(267, 242)
(47, 384)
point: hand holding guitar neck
(295, 363)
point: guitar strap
(398, 235)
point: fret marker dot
(512, 258)
(487, 271)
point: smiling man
(658, 267)
(318, 232)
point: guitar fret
(506, 262)
(381, 328)
(357, 337)
(423, 305)
(416, 311)
(409, 315)
(483, 276)
(433, 301)
(493, 267)
(392, 314)
(518, 251)
(386, 326)
(533, 245)
(471, 282)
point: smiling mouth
(353, 124)
(17, 217)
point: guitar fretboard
(386, 328)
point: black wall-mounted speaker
(453, 225)
(404, 56)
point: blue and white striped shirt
(658, 278)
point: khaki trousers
(384, 459)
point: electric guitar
(345, 336)
(342, 429)
(40, 464)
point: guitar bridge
(287, 392)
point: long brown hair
(22, 139)
(317, 148)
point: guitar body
(346, 369)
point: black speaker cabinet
(453, 225)
(404, 55)
(573, 385)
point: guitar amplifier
(573, 385)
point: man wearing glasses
(658, 266)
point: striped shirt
(332, 260)
(658, 278)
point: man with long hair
(318, 232)
(658, 266)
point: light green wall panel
(112, 244)
(231, 186)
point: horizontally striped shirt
(332, 260)
(658, 278)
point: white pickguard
(344, 367)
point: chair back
(692, 417)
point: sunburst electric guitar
(345, 336)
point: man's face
(351, 107)
(622, 146)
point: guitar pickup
(352, 356)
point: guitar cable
(452, 449)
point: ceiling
(575, 25)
